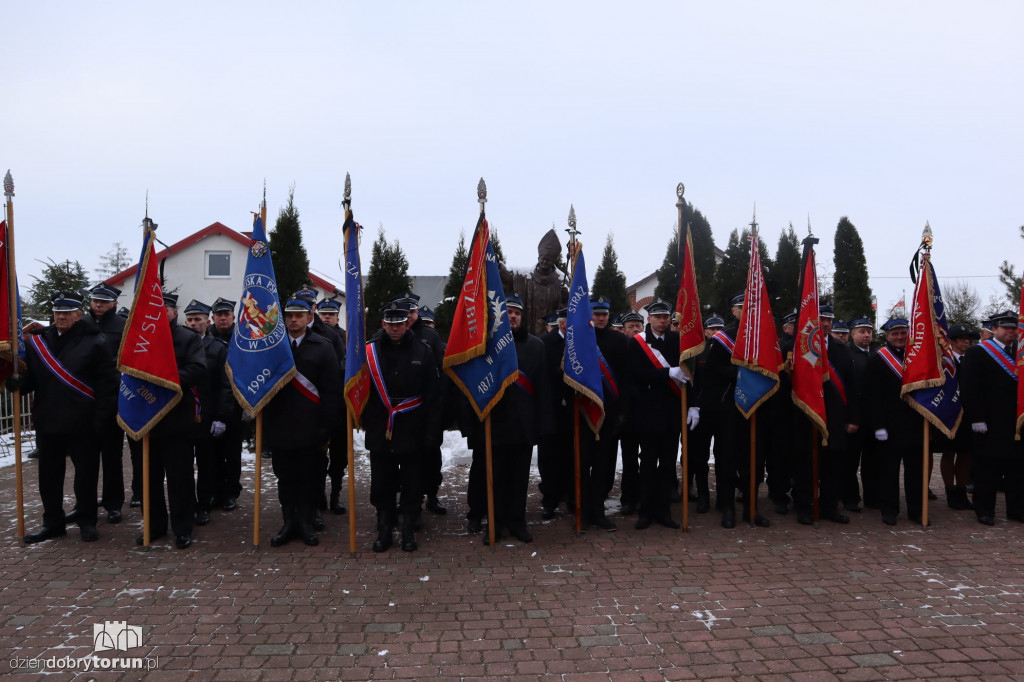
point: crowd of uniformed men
(196, 448)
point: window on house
(218, 263)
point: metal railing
(7, 424)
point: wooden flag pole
(814, 473)
(351, 483)
(145, 491)
(752, 492)
(685, 440)
(576, 461)
(924, 474)
(489, 461)
(12, 303)
(258, 481)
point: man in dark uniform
(555, 451)
(629, 484)
(776, 432)
(70, 367)
(103, 311)
(427, 316)
(329, 310)
(298, 422)
(227, 446)
(515, 428)
(170, 442)
(989, 386)
(896, 426)
(653, 359)
(400, 414)
(861, 454)
(216, 403)
(955, 465)
(699, 442)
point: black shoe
(805, 518)
(153, 537)
(760, 520)
(889, 520)
(434, 506)
(183, 541)
(548, 513)
(643, 522)
(836, 517)
(336, 506)
(88, 533)
(385, 537)
(728, 517)
(627, 509)
(409, 540)
(33, 454)
(135, 503)
(283, 536)
(202, 517)
(230, 504)
(309, 538)
(931, 495)
(318, 523)
(987, 520)
(474, 524)
(72, 515)
(114, 516)
(667, 521)
(44, 533)
(520, 532)
(853, 507)
(603, 523)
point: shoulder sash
(723, 338)
(305, 387)
(892, 361)
(406, 405)
(58, 370)
(657, 359)
(524, 383)
(837, 381)
(1001, 357)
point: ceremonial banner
(581, 361)
(691, 327)
(260, 360)
(357, 379)
(810, 367)
(481, 354)
(757, 343)
(1020, 366)
(150, 386)
(930, 382)
(6, 354)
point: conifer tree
(113, 262)
(456, 277)
(68, 276)
(703, 259)
(851, 293)
(291, 263)
(731, 273)
(784, 279)
(387, 279)
(609, 281)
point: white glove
(217, 429)
(979, 427)
(693, 417)
(882, 435)
(677, 375)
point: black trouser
(991, 472)
(555, 462)
(171, 455)
(54, 449)
(732, 453)
(112, 457)
(338, 462)
(135, 450)
(597, 466)
(390, 472)
(849, 463)
(431, 469)
(299, 486)
(228, 462)
(871, 471)
(657, 472)
(889, 487)
(511, 481)
(698, 448)
(206, 473)
(629, 485)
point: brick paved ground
(856, 602)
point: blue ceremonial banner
(484, 377)
(752, 388)
(357, 378)
(930, 382)
(260, 360)
(581, 364)
(150, 386)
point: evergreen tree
(784, 279)
(495, 244)
(291, 263)
(456, 277)
(703, 260)
(851, 293)
(387, 279)
(56, 277)
(113, 262)
(609, 281)
(731, 273)
(1009, 278)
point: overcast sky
(888, 113)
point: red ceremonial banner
(810, 366)
(691, 327)
(468, 337)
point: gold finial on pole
(481, 194)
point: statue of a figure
(543, 291)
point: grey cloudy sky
(889, 113)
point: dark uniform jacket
(408, 370)
(218, 403)
(840, 411)
(656, 407)
(85, 353)
(112, 326)
(886, 409)
(191, 360)
(291, 420)
(332, 336)
(717, 385)
(559, 399)
(614, 347)
(990, 395)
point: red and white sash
(657, 359)
(894, 363)
(524, 383)
(305, 387)
(406, 405)
(58, 370)
(1001, 357)
(723, 338)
